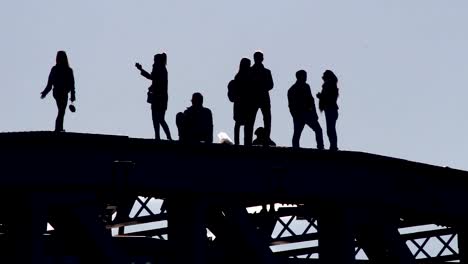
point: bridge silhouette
(115, 199)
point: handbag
(149, 96)
(72, 107)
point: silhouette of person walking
(327, 102)
(259, 98)
(262, 139)
(195, 124)
(62, 82)
(237, 93)
(302, 108)
(157, 93)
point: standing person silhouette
(327, 102)
(302, 108)
(157, 93)
(237, 93)
(260, 85)
(62, 82)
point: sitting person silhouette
(262, 138)
(62, 82)
(196, 123)
(302, 108)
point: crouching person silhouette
(61, 82)
(196, 123)
(262, 138)
(302, 108)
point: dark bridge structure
(115, 199)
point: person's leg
(236, 132)
(298, 127)
(164, 125)
(313, 123)
(266, 112)
(180, 125)
(156, 120)
(249, 125)
(331, 117)
(62, 107)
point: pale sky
(402, 66)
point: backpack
(232, 93)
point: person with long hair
(157, 93)
(327, 103)
(237, 92)
(61, 82)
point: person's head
(62, 59)
(301, 76)
(329, 76)
(163, 59)
(197, 100)
(258, 57)
(157, 59)
(260, 132)
(244, 64)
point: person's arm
(164, 81)
(143, 72)
(291, 101)
(309, 99)
(72, 89)
(269, 81)
(209, 126)
(49, 84)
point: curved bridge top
(67, 162)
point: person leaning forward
(196, 123)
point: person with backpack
(237, 92)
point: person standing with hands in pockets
(302, 108)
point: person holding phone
(157, 93)
(61, 82)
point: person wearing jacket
(261, 82)
(327, 103)
(195, 124)
(237, 93)
(302, 108)
(62, 83)
(157, 93)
